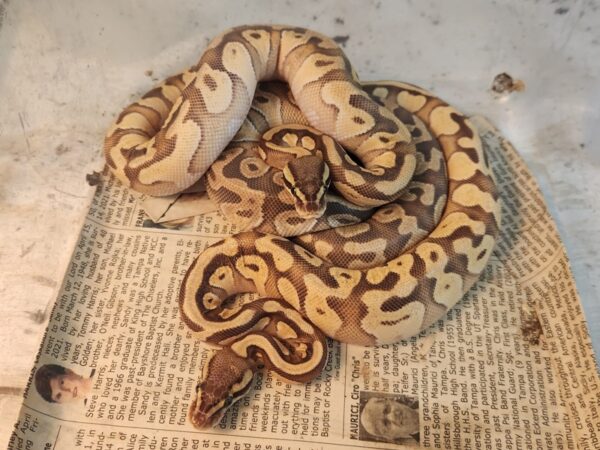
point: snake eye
(228, 400)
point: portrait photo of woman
(57, 384)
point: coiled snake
(377, 281)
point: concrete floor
(67, 67)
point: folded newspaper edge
(511, 366)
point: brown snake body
(373, 282)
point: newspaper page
(510, 367)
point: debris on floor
(505, 84)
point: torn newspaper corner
(510, 367)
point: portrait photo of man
(389, 418)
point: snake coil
(344, 271)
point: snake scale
(405, 229)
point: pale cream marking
(373, 299)
(222, 277)
(411, 102)
(410, 318)
(218, 96)
(461, 167)
(470, 195)
(379, 260)
(436, 161)
(289, 292)
(411, 87)
(322, 248)
(337, 93)
(389, 213)
(475, 143)
(271, 111)
(157, 103)
(211, 301)
(262, 153)
(287, 223)
(380, 92)
(174, 168)
(374, 143)
(187, 77)
(455, 220)
(308, 143)
(300, 349)
(354, 197)
(254, 198)
(465, 246)
(402, 265)
(448, 288)
(284, 331)
(228, 247)
(258, 277)
(427, 197)
(282, 259)
(351, 231)
(349, 160)
(290, 139)
(326, 173)
(209, 328)
(278, 156)
(309, 71)
(439, 208)
(309, 257)
(243, 383)
(441, 121)
(334, 157)
(262, 45)
(253, 167)
(408, 197)
(288, 175)
(426, 250)
(354, 179)
(282, 348)
(359, 248)
(273, 306)
(241, 348)
(133, 120)
(386, 160)
(237, 60)
(409, 225)
(406, 171)
(260, 325)
(289, 41)
(315, 304)
(376, 275)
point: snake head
(226, 379)
(307, 178)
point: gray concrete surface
(67, 67)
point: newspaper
(510, 367)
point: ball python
(240, 176)
(164, 142)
